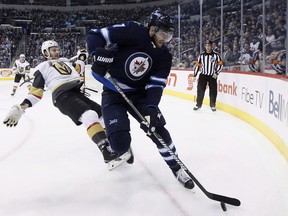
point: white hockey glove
(15, 71)
(27, 77)
(13, 116)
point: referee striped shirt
(208, 64)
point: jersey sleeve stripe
(154, 86)
(105, 34)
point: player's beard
(158, 43)
(55, 56)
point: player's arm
(77, 67)
(27, 72)
(152, 112)
(15, 68)
(95, 39)
(14, 114)
(125, 33)
(35, 95)
(157, 80)
(27, 68)
(37, 89)
(197, 65)
(154, 89)
(219, 65)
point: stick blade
(227, 200)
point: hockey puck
(223, 206)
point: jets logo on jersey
(137, 65)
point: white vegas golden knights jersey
(21, 68)
(55, 75)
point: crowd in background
(9, 40)
(69, 29)
(251, 44)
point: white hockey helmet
(22, 58)
(82, 54)
(46, 45)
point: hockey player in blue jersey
(138, 60)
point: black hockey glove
(103, 60)
(154, 119)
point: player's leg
(179, 173)
(17, 79)
(116, 121)
(201, 87)
(98, 109)
(82, 113)
(213, 93)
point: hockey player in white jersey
(21, 69)
(60, 77)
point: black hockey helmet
(161, 20)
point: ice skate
(184, 178)
(120, 160)
(114, 159)
(108, 154)
(213, 109)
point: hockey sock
(97, 134)
(168, 158)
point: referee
(209, 64)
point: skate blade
(119, 160)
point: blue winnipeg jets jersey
(138, 63)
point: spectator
(235, 54)
(254, 45)
(227, 54)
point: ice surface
(49, 166)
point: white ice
(49, 166)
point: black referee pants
(202, 85)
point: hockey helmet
(161, 20)
(22, 58)
(46, 45)
(82, 54)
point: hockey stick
(216, 197)
(73, 58)
(93, 90)
(26, 81)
